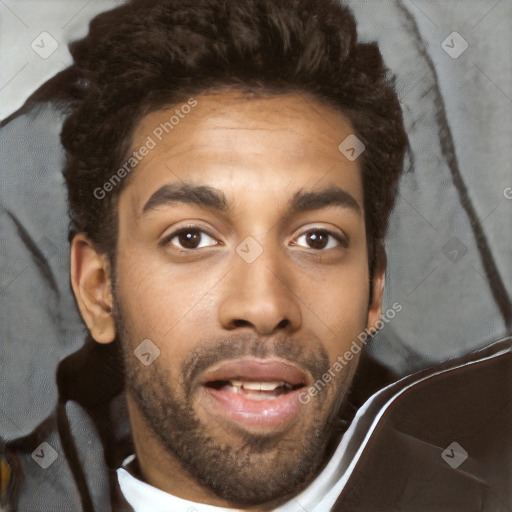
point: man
(238, 240)
(231, 169)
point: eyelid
(176, 231)
(342, 238)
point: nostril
(241, 323)
(283, 323)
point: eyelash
(186, 229)
(341, 239)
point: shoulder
(440, 440)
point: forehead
(241, 144)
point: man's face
(242, 256)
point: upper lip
(256, 370)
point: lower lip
(262, 414)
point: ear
(90, 279)
(379, 277)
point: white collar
(319, 496)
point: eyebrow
(199, 195)
(208, 197)
(331, 196)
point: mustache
(210, 353)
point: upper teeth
(259, 386)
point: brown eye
(319, 239)
(190, 239)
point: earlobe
(90, 279)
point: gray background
(448, 304)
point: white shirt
(319, 496)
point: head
(225, 233)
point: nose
(259, 296)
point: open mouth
(254, 390)
(256, 394)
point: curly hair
(150, 54)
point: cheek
(161, 303)
(340, 303)
(138, 293)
